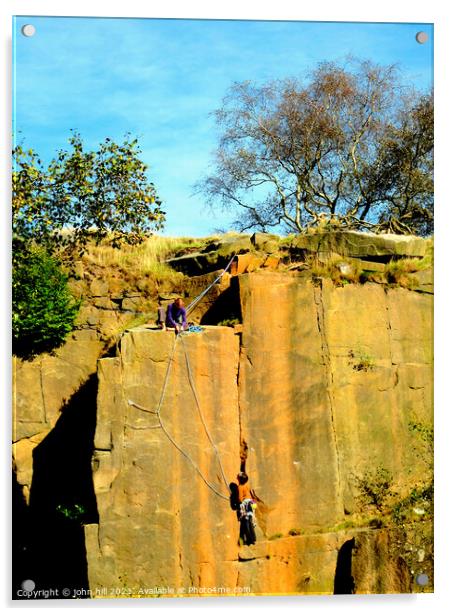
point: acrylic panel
(222, 308)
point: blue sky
(160, 79)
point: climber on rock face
(176, 315)
(246, 504)
(244, 487)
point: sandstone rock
(328, 380)
(229, 246)
(316, 387)
(374, 567)
(215, 256)
(99, 287)
(265, 242)
(23, 460)
(131, 303)
(116, 287)
(197, 284)
(161, 505)
(272, 262)
(104, 303)
(331, 421)
(369, 266)
(143, 284)
(362, 245)
(285, 404)
(87, 315)
(112, 323)
(315, 564)
(85, 335)
(424, 280)
(41, 386)
(372, 408)
(246, 263)
(78, 288)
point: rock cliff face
(42, 387)
(318, 385)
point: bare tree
(403, 175)
(293, 154)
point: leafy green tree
(43, 308)
(346, 146)
(83, 195)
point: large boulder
(215, 255)
(266, 242)
(362, 245)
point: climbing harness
(247, 508)
(247, 521)
(157, 412)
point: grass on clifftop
(398, 272)
(144, 260)
(148, 259)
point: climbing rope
(157, 412)
(197, 299)
(193, 329)
(193, 388)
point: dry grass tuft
(340, 270)
(147, 259)
(142, 257)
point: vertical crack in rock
(99, 543)
(243, 451)
(262, 510)
(326, 358)
(389, 328)
(125, 406)
(243, 445)
(181, 566)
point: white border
(328, 10)
(426, 11)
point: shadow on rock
(62, 499)
(344, 584)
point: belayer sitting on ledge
(176, 315)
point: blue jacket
(176, 316)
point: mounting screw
(422, 37)
(28, 30)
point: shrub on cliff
(375, 488)
(43, 308)
(80, 197)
